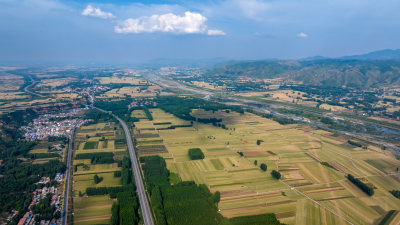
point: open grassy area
(308, 193)
(92, 210)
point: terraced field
(96, 138)
(309, 192)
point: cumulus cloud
(302, 35)
(96, 12)
(190, 23)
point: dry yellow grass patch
(68, 96)
(10, 82)
(120, 80)
(12, 95)
(252, 94)
(332, 107)
(53, 83)
(132, 91)
(208, 85)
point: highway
(64, 213)
(144, 204)
(26, 89)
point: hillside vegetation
(329, 72)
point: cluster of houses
(42, 128)
(41, 193)
(52, 125)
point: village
(46, 205)
(52, 125)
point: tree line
(365, 188)
(97, 157)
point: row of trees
(148, 113)
(125, 211)
(43, 155)
(365, 188)
(354, 143)
(112, 191)
(98, 157)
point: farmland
(93, 144)
(310, 192)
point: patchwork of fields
(97, 138)
(313, 164)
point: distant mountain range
(386, 54)
(375, 69)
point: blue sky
(136, 31)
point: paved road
(64, 214)
(144, 204)
(26, 89)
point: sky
(137, 31)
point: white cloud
(302, 35)
(96, 12)
(215, 32)
(190, 23)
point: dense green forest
(125, 210)
(119, 108)
(182, 107)
(187, 203)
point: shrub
(263, 166)
(196, 153)
(395, 193)
(97, 179)
(275, 174)
(117, 173)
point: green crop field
(90, 145)
(92, 139)
(308, 193)
(92, 210)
